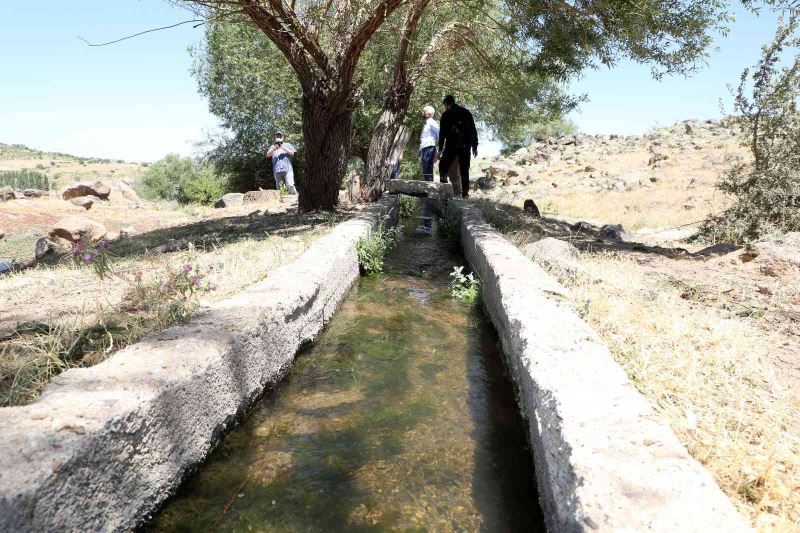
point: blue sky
(136, 100)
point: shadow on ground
(525, 228)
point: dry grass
(119, 310)
(709, 377)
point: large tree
(253, 97)
(524, 40)
(322, 41)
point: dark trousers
(427, 155)
(464, 155)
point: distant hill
(20, 151)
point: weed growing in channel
(465, 287)
(406, 206)
(450, 221)
(372, 248)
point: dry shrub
(708, 376)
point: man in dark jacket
(457, 137)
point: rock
(97, 189)
(424, 189)
(74, 227)
(44, 246)
(34, 193)
(530, 207)
(232, 199)
(262, 196)
(554, 253)
(589, 168)
(127, 192)
(6, 194)
(718, 249)
(612, 232)
(85, 202)
(656, 158)
(171, 246)
(6, 266)
(2, 234)
(127, 231)
(486, 182)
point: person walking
(282, 153)
(427, 142)
(457, 138)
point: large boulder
(232, 199)
(6, 193)
(97, 188)
(262, 196)
(75, 227)
(127, 191)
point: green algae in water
(400, 418)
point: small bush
(767, 190)
(405, 207)
(464, 287)
(182, 180)
(371, 249)
(450, 221)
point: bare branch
(201, 22)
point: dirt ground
(647, 183)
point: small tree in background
(182, 180)
(767, 190)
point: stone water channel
(401, 417)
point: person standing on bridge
(427, 142)
(457, 137)
(282, 154)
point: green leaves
(182, 180)
(768, 190)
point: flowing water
(400, 418)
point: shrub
(464, 287)
(767, 190)
(450, 221)
(182, 180)
(371, 249)
(405, 207)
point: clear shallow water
(400, 418)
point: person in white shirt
(428, 140)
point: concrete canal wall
(105, 445)
(603, 461)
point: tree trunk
(379, 163)
(326, 133)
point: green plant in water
(372, 248)
(465, 287)
(405, 207)
(450, 221)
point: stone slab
(603, 460)
(105, 446)
(425, 189)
